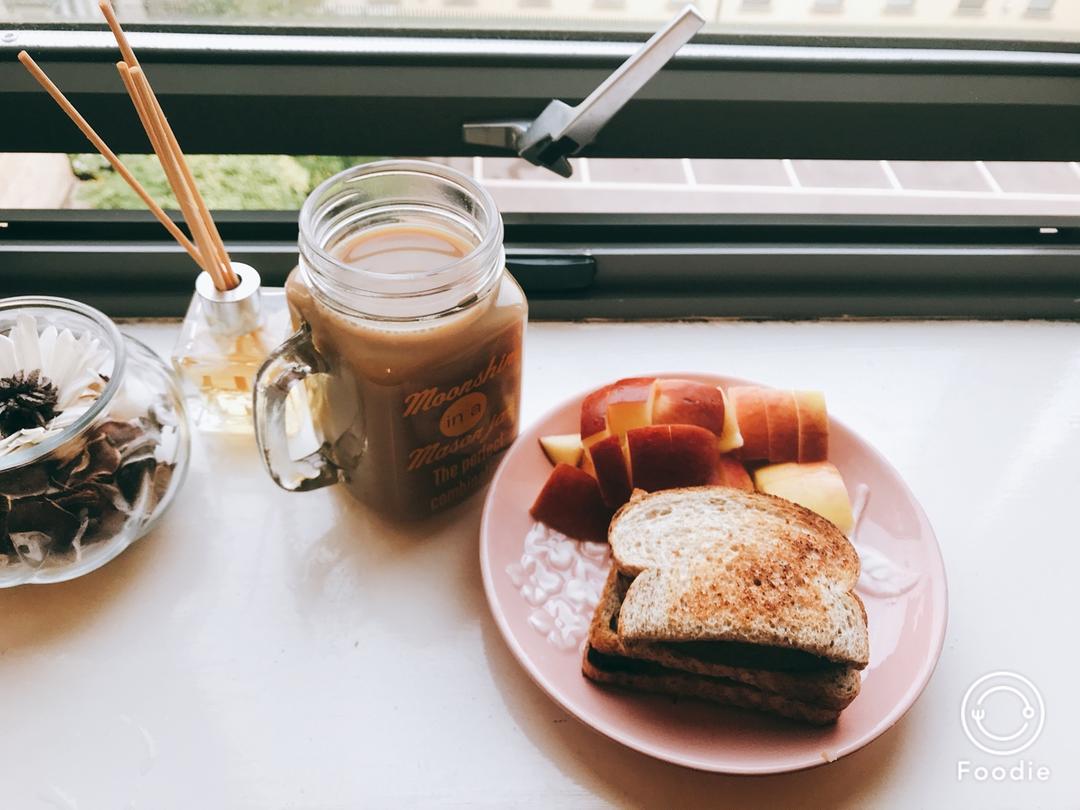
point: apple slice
(782, 417)
(749, 405)
(630, 404)
(594, 416)
(817, 486)
(610, 464)
(570, 503)
(587, 464)
(668, 456)
(813, 426)
(731, 473)
(564, 448)
(730, 437)
(686, 402)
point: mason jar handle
(289, 364)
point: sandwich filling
(738, 653)
(752, 656)
(638, 666)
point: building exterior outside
(1037, 19)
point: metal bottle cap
(236, 311)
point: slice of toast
(720, 564)
(833, 687)
(597, 667)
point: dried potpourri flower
(48, 379)
(26, 401)
(62, 503)
(86, 490)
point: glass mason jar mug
(409, 342)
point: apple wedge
(813, 426)
(731, 473)
(570, 503)
(630, 404)
(730, 437)
(586, 464)
(817, 486)
(749, 405)
(563, 448)
(669, 456)
(782, 417)
(594, 416)
(686, 402)
(610, 464)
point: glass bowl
(81, 481)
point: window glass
(1054, 20)
(281, 182)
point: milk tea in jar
(404, 375)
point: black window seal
(619, 266)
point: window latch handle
(561, 130)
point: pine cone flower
(27, 400)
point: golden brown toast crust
(833, 689)
(719, 564)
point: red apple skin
(782, 417)
(570, 502)
(749, 407)
(611, 474)
(686, 402)
(669, 456)
(813, 426)
(732, 473)
(594, 413)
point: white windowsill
(262, 649)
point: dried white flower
(40, 366)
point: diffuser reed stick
(206, 246)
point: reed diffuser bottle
(226, 336)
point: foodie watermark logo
(1002, 714)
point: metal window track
(601, 266)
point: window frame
(807, 98)
(742, 98)
(584, 266)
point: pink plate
(903, 587)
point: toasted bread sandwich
(737, 597)
(664, 669)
